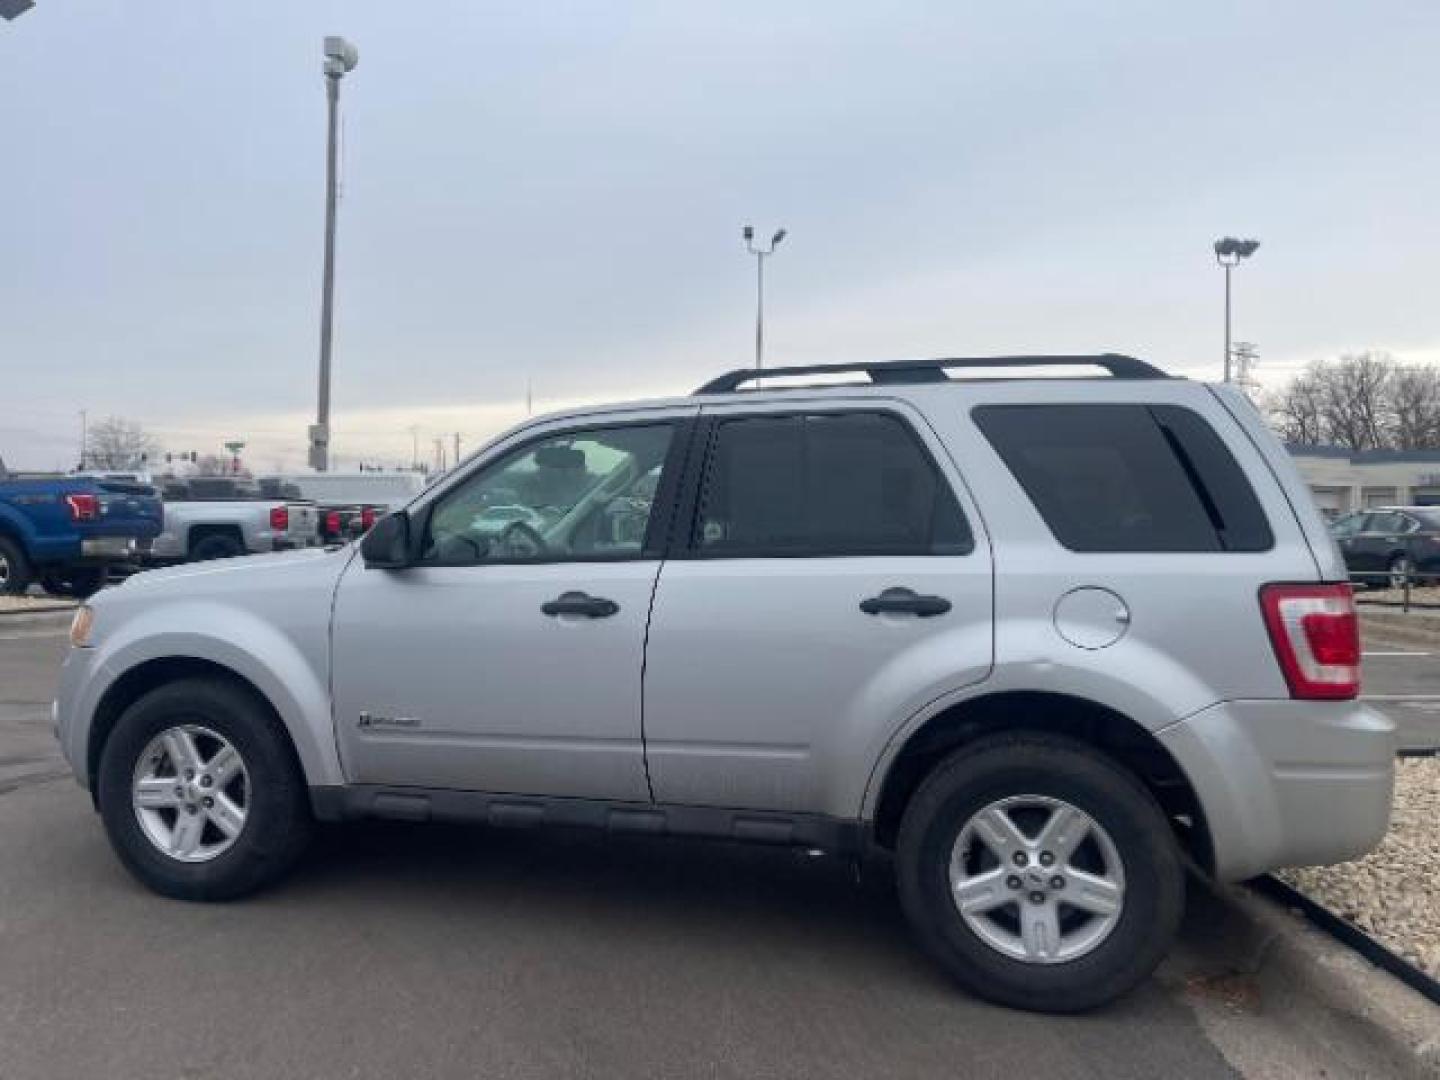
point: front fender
(290, 669)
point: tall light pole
(340, 57)
(1228, 253)
(760, 253)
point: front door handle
(579, 603)
(901, 601)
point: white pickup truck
(221, 517)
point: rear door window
(827, 484)
(1128, 477)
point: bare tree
(117, 443)
(1353, 399)
(1365, 401)
(1414, 408)
(212, 465)
(1295, 410)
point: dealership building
(1343, 480)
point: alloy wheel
(1037, 879)
(191, 793)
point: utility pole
(1247, 359)
(414, 430)
(761, 253)
(457, 448)
(340, 57)
(84, 436)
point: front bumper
(1287, 783)
(75, 702)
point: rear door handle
(902, 601)
(579, 603)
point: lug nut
(1046, 858)
(1019, 858)
(189, 774)
(1037, 897)
(1057, 882)
(1013, 881)
(209, 802)
(205, 781)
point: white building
(1342, 480)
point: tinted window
(1348, 525)
(1429, 519)
(1128, 477)
(840, 484)
(1386, 523)
(581, 495)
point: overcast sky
(554, 192)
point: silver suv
(1042, 639)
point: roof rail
(891, 372)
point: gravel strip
(1393, 894)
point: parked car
(1039, 639)
(341, 524)
(221, 517)
(1384, 546)
(66, 531)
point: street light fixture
(340, 57)
(748, 235)
(1228, 253)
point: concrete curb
(1291, 959)
(44, 608)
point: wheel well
(1121, 738)
(139, 681)
(200, 532)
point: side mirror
(387, 545)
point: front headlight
(81, 625)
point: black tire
(216, 546)
(1002, 766)
(78, 582)
(278, 822)
(15, 570)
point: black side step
(362, 801)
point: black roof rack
(891, 372)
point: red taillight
(332, 522)
(1316, 635)
(279, 518)
(367, 517)
(83, 507)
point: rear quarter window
(1128, 477)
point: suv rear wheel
(200, 792)
(1039, 873)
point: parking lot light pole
(340, 57)
(760, 253)
(1228, 253)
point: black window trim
(682, 546)
(658, 530)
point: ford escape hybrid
(1043, 639)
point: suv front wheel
(200, 791)
(1040, 873)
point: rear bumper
(1287, 783)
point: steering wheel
(520, 541)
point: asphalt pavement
(422, 951)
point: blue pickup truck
(64, 531)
